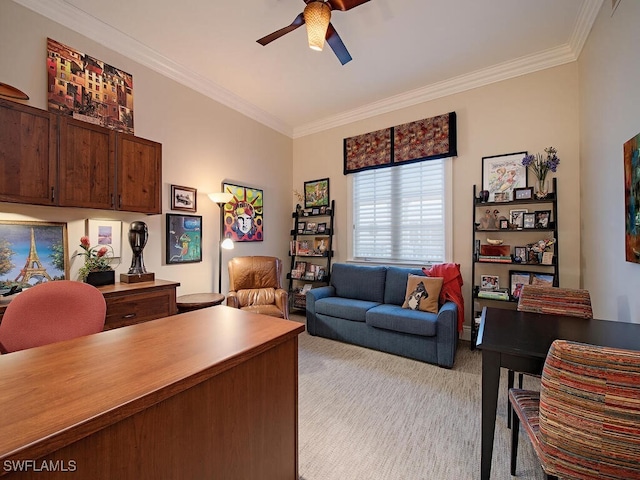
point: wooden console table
(211, 393)
(130, 303)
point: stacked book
(495, 258)
(500, 294)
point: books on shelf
(495, 258)
(501, 294)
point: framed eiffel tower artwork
(32, 252)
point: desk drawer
(135, 308)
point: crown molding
(71, 17)
(79, 21)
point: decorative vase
(542, 188)
(103, 277)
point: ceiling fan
(317, 16)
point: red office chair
(51, 312)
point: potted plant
(97, 269)
(541, 166)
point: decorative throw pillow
(422, 293)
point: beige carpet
(368, 415)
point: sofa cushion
(359, 282)
(396, 318)
(346, 308)
(396, 283)
(422, 293)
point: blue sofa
(363, 306)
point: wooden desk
(207, 394)
(520, 341)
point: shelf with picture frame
(506, 237)
(310, 251)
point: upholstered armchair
(255, 285)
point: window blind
(399, 213)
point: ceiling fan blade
(335, 42)
(297, 22)
(345, 5)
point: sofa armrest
(312, 296)
(447, 333)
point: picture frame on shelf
(528, 220)
(323, 210)
(503, 173)
(322, 227)
(516, 217)
(517, 279)
(315, 211)
(105, 232)
(520, 253)
(302, 226)
(523, 193)
(547, 258)
(183, 198)
(489, 282)
(542, 279)
(311, 227)
(543, 218)
(500, 197)
(316, 193)
(504, 224)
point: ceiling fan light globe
(317, 16)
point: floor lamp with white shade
(221, 199)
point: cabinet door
(139, 174)
(27, 154)
(86, 165)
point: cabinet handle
(53, 194)
(130, 315)
(119, 201)
(112, 201)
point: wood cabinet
(28, 152)
(51, 159)
(131, 303)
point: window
(399, 213)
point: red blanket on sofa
(451, 285)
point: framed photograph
(489, 282)
(542, 279)
(501, 197)
(311, 227)
(516, 217)
(315, 211)
(302, 226)
(33, 252)
(316, 193)
(322, 227)
(504, 224)
(503, 173)
(242, 219)
(184, 238)
(520, 253)
(105, 232)
(543, 218)
(525, 193)
(517, 279)
(528, 220)
(323, 210)
(183, 198)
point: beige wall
(609, 116)
(203, 142)
(526, 113)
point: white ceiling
(404, 51)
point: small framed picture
(547, 258)
(322, 227)
(517, 280)
(311, 227)
(183, 198)
(520, 254)
(542, 279)
(302, 227)
(543, 218)
(525, 193)
(504, 224)
(323, 210)
(517, 217)
(315, 211)
(528, 220)
(489, 282)
(501, 197)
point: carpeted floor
(368, 415)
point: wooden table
(520, 341)
(196, 301)
(206, 394)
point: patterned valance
(426, 139)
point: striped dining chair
(550, 301)
(584, 423)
